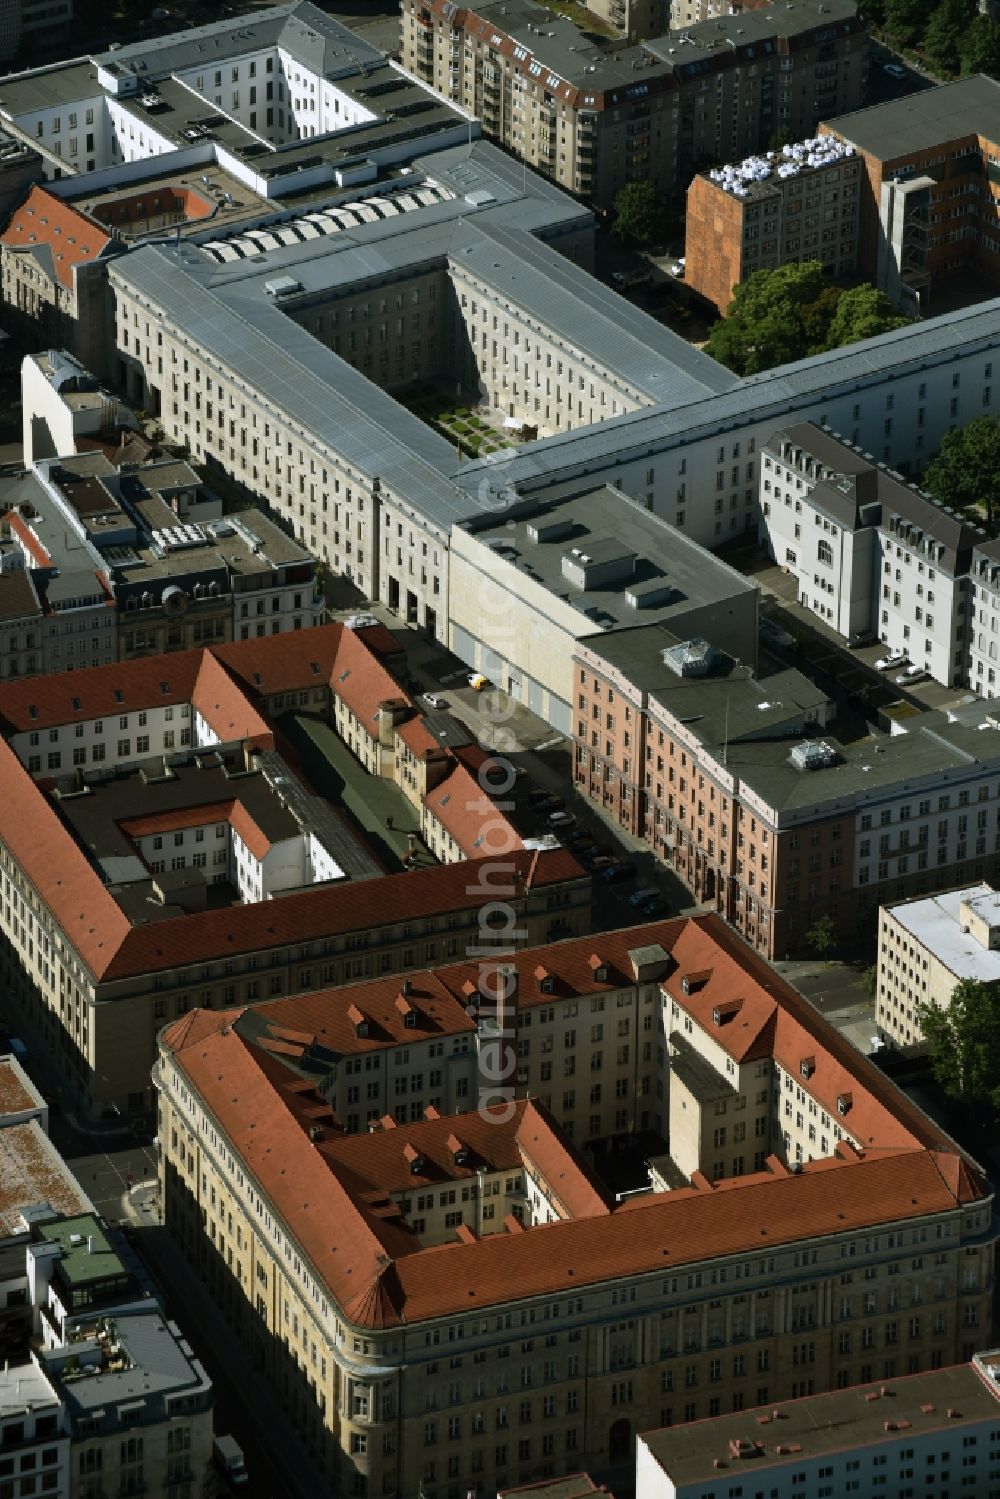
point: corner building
(456, 1301)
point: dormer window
(601, 974)
(410, 1020)
(807, 1066)
(547, 985)
(843, 1103)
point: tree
(946, 31)
(905, 19)
(964, 1043)
(822, 936)
(766, 321)
(966, 471)
(862, 312)
(785, 135)
(980, 47)
(638, 214)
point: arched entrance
(620, 1441)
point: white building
(872, 553)
(933, 1434)
(61, 402)
(928, 945)
(34, 1434)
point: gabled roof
(465, 811)
(71, 239)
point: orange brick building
(930, 198)
(800, 203)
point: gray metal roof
(161, 1364)
(902, 127)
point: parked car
(889, 660)
(585, 850)
(644, 896)
(229, 1459)
(622, 280)
(478, 682)
(860, 637)
(550, 804)
(561, 819)
(654, 908)
(910, 675)
(893, 69)
(678, 267)
(772, 632)
(600, 861)
(615, 872)
(434, 700)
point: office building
(929, 199)
(99, 564)
(595, 117)
(483, 1310)
(581, 563)
(926, 946)
(740, 785)
(937, 1430)
(799, 203)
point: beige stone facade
(396, 1382)
(926, 947)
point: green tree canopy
(822, 936)
(638, 212)
(966, 471)
(980, 47)
(784, 314)
(945, 33)
(862, 312)
(905, 19)
(964, 1042)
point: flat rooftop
(935, 921)
(821, 1425)
(754, 720)
(23, 1387)
(646, 558)
(18, 1093)
(34, 1174)
(918, 122)
(160, 1363)
(145, 802)
(87, 1254)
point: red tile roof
(224, 706)
(45, 220)
(180, 817)
(222, 683)
(775, 1020)
(465, 811)
(266, 1122)
(101, 691)
(418, 738)
(332, 1016)
(362, 682)
(309, 915)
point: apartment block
(873, 553)
(738, 783)
(929, 198)
(799, 203)
(167, 771)
(594, 117)
(939, 1427)
(100, 563)
(457, 1346)
(928, 945)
